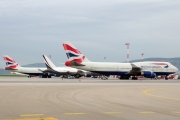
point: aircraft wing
(81, 72)
(44, 71)
(48, 71)
(135, 70)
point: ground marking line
(75, 113)
(146, 92)
(26, 115)
(112, 112)
(146, 112)
(175, 112)
(36, 119)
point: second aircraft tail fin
(10, 63)
(48, 62)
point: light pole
(127, 51)
(142, 57)
(49, 56)
(104, 59)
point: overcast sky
(98, 28)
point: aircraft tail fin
(10, 63)
(75, 57)
(48, 62)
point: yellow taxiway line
(175, 112)
(146, 112)
(146, 92)
(75, 113)
(36, 119)
(30, 115)
(112, 112)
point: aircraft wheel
(124, 77)
(44, 76)
(134, 78)
(29, 76)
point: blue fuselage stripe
(124, 73)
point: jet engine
(89, 74)
(47, 75)
(148, 74)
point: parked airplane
(15, 67)
(65, 71)
(125, 70)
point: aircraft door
(167, 70)
(91, 69)
(117, 68)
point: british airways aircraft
(13, 66)
(125, 70)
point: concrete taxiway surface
(88, 99)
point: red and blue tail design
(75, 57)
(10, 63)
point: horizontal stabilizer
(73, 63)
(9, 68)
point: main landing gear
(46, 76)
(124, 77)
(127, 77)
(166, 77)
(29, 76)
(134, 78)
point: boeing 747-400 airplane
(125, 70)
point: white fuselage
(113, 68)
(65, 70)
(70, 71)
(39, 71)
(164, 69)
(29, 71)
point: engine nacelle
(148, 74)
(57, 75)
(49, 74)
(88, 74)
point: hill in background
(41, 65)
(4, 72)
(174, 61)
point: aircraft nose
(176, 69)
